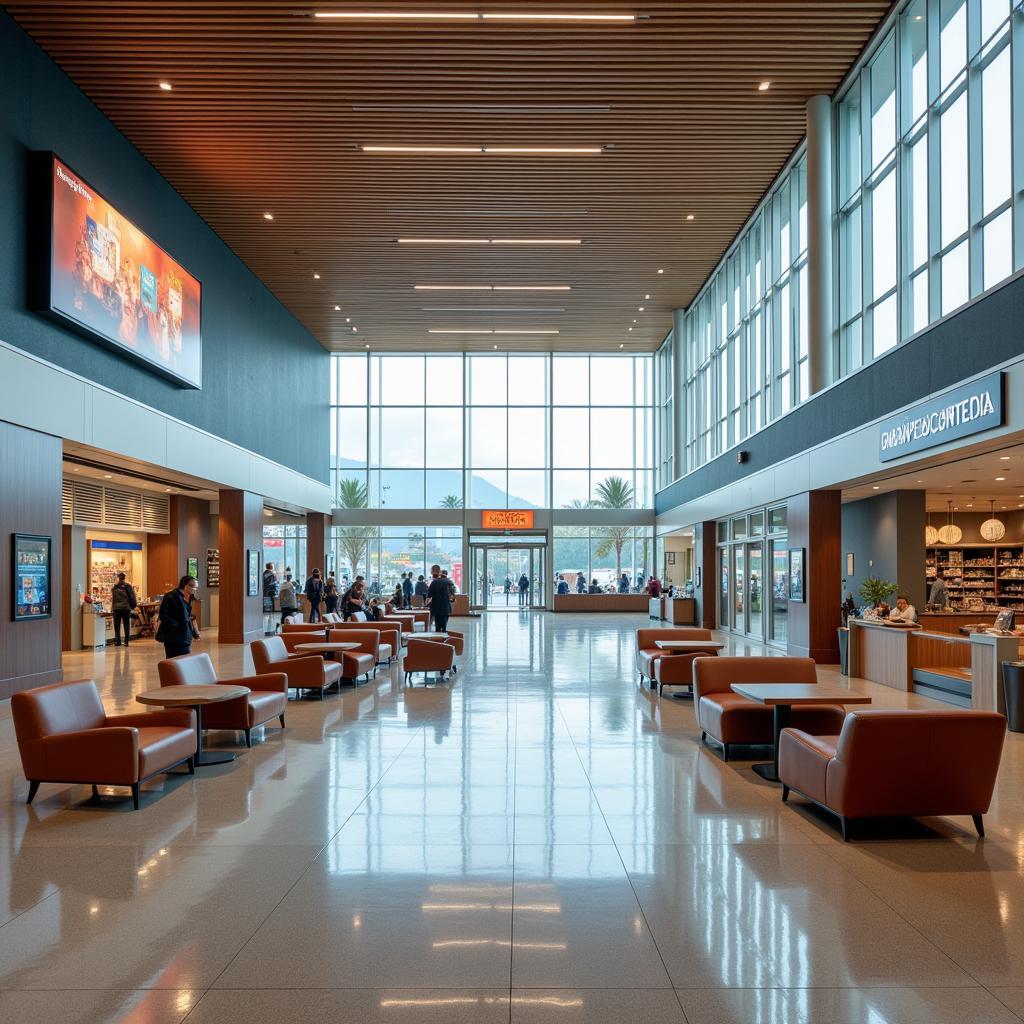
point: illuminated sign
(506, 519)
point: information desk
(680, 611)
(956, 669)
(950, 622)
(601, 603)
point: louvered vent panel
(67, 503)
(156, 513)
(88, 503)
(122, 508)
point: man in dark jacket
(439, 599)
(314, 595)
(122, 601)
(177, 631)
(524, 587)
(407, 590)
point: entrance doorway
(497, 571)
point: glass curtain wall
(383, 553)
(492, 431)
(603, 554)
(665, 412)
(284, 547)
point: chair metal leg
(703, 735)
(725, 751)
(248, 738)
(979, 824)
(191, 766)
(845, 828)
(281, 720)
(785, 793)
(135, 795)
(33, 788)
(95, 791)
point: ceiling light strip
(490, 241)
(488, 330)
(474, 16)
(484, 150)
(492, 287)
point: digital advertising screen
(31, 577)
(113, 281)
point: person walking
(331, 595)
(563, 587)
(289, 597)
(270, 590)
(421, 588)
(581, 583)
(407, 590)
(524, 588)
(122, 601)
(439, 599)
(177, 630)
(508, 587)
(314, 591)
(624, 584)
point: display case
(979, 577)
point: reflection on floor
(538, 841)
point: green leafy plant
(451, 501)
(876, 591)
(614, 493)
(354, 540)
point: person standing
(524, 587)
(122, 601)
(624, 584)
(581, 583)
(407, 590)
(314, 591)
(938, 596)
(508, 587)
(331, 595)
(563, 587)
(177, 630)
(270, 591)
(439, 599)
(289, 597)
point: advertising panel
(506, 519)
(31, 565)
(111, 281)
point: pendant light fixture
(931, 535)
(950, 533)
(992, 529)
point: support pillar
(678, 383)
(820, 350)
(318, 542)
(241, 531)
(815, 525)
(705, 555)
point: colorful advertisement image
(31, 577)
(112, 279)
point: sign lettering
(506, 519)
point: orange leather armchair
(64, 735)
(897, 763)
(390, 645)
(267, 699)
(361, 660)
(675, 668)
(647, 653)
(428, 656)
(404, 626)
(729, 719)
(309, 672)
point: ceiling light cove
(413, 15)
(490, 241)
(489, 330)
(492, 287)
(484, 150)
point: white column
(678, 404)
(819, 242)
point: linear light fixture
(493, 309)
(493, 287)
(487, 330)
(490, 241)
(484, 150)
(472, 16)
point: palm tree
(354, 540)
(614, 492)
(451, 501)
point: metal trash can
(844, 650)
(1013, 693)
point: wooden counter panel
(950, 622)
(880, 654)
(601, 603)
(928, 650)
(680, 611)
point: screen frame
(38, 538)
(41, 267)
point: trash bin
(1013, 692)
(844, 650)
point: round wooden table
(195, 697)
(325, 647)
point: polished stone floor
(539, 841)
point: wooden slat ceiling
(270, 108)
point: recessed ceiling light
(495, 347)
(1000, 477)
(108, 476)
(648, 295)
(622, 344)
(355, 330)
(639, 309)
(1004, 458)
(875, 488)
(561, 16)
(629, 328)
(316, 277)
(661, 270)
(166, 87)
(689, 216)
(969, 505)
(348, 319)
(367, 344)
(337, 309)
(764, 86)
(268, 215)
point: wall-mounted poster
(192, 567)
(110, 280)
(31, 565)
(796, 574)
(253, 574)
(213, 567)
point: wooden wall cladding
(241, 530)
(815, 524)
(270, 108)
(30, 498)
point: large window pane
(998, 249)
(952, 39)
(570, 438)
(955, 279)
(444, 380)
(885, 332)
(918, 202)
(883, 235)
(352, 436)
(611, 437)
(401, 442)
(883, 102)
(528, 380)
(993, 14)
(997, 137)
(954, 171)
(919, 288)
(570, 488)
(488, 437)
(444, 488)
(611, 380)
(850, 175)
(851, 299)
(444, 437)
(488, 488)
(402, 380)
(915, 26)
(570, 380)
(396, 488)
(488, 383)
(526, 487)
(527, 438)
(351, 380)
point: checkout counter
(959, 668)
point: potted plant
(876, 591)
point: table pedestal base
(206, 758)
(767, 771)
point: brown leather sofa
(888, 763)
(65, 735)
(731, 720)
(267, 699)
(675, 668)
(428, 656)
(358, 661)
(305, 672)
(303, 627)
(390, 646)
(647, 651)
